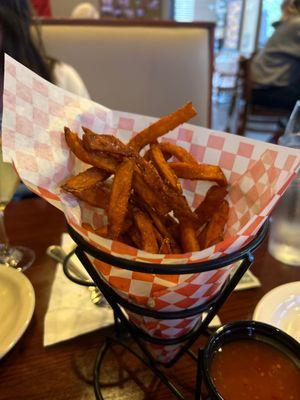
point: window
(271, 12)
(233, 24)
(184, 10)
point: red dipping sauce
(253, 370)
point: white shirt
(66, 77)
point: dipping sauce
(248, 369)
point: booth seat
(150, 68)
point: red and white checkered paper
(34, 114)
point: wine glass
(284, 239)
(18, 257)
(291, 137)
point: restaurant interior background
(242, 27)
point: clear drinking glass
(284, 240)
(13, 256)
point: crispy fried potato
(135, 236)
(167, 195)
(154, 181)
(173, 227)
(102, 231)
(118, 202)
(96, 196)
(158, 222)
(147, 195)
(98, 160)
(146, 191)
(202, 172)
(146, 230)
(88, 227)
(162, 126)
(182, 209)
(105, 144)
(163, 167)
(214, 230)
(85, 180)
(212, 201)
(147, 155)
(160, 225)
(165, 247)
(158, 236)
(189, 240)
(170, 149)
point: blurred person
(17, 39)
(86, 11)
(42, 7)
(275, 70)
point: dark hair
(16, 24)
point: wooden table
(62, 372)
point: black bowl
(245, 330)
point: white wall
(204, 10)
(63, 8)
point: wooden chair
(268, 120)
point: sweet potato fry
(147, 155)
(212, 201)
(214, 230)
(158, 236)
(175, 201)
(154, 181)
(162, 126)
(189, 240)
(98, 160)
(165, 247)
(105, 143)
(146, 230)
(145, 204)
(88, 227)
(118, 202)
(85, 180)
(101, 231)
(96, 196)
(173, 227)
(171, 149)
(159, 223)
(148, 196)
(163, 167)
(135, 236)
(202, 172)
(181, 208)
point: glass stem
(4, 242)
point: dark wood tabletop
(63, 371)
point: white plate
(17, 302)
(281, 308)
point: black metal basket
(118, 303)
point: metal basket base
(244, 255)
(111, 341)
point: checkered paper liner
(34, 114)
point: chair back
(244, 82)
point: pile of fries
(142, 194)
